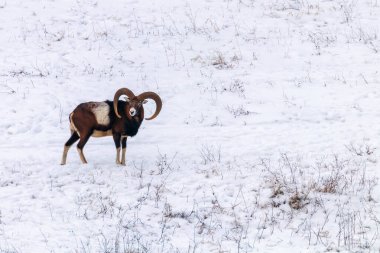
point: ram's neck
(131, 127)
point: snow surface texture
(267, 140)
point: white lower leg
(64, 155)
(123, 156)
(81, 155)
(118, 156)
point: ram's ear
(127, 99)
(145, 101)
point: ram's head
(134, 104)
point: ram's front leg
(117, 139)
(124, 149)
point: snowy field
(267, 141)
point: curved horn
(155, 98)
(119, 92)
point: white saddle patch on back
(101, 112)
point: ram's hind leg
(74, 137)
(83, 140)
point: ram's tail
(72, 126)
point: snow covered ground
(267, 141)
